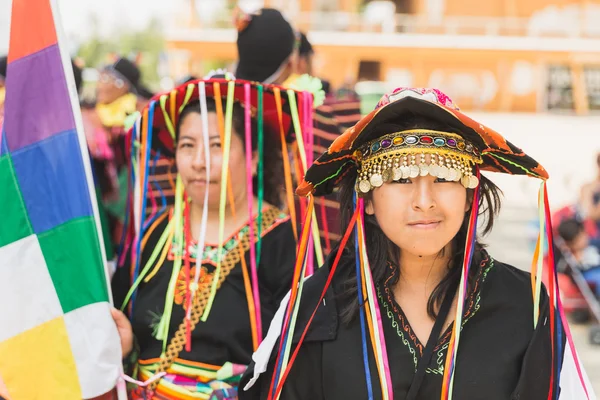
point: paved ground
(566, 146)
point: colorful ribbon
(224, 180)
(302, 150)
(448, 379)
(358, 255)
(250, 194)
(373, 312)
(279, 378)
(260, 169)
(294, 303)
(289, 188)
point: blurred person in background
(577, 240)
(343, 105)
(304, 64)
(104, 220)
(590, 203)
(117, 99)
(306, 54)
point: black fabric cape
(501, 356)
(226, 335)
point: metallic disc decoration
(414, 171)
(397, 174)
(376, 180)
(452, 173)
(459, 176)
(443, 173)
(424, 168)
(473, 182)
(405, 171)
(465, 181)
(364, 186)
(434, 170)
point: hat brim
(143, 92)
(498, 154)
(167, 108)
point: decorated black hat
(471, 143)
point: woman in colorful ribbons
(205, 276)
(411, 305)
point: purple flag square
(37, 99)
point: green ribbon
(261, 171)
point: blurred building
(501, 55)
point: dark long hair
(272, 160)
(382, 251)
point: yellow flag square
(39, 364)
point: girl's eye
(402, 180)
(442, 180)
(216, 145)
(185, 145)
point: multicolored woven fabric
(57, 337)
(188, 380)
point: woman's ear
(369, 209)
(469, 201)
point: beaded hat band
(401, 155)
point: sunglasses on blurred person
(108, 78)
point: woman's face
(421, 215)
(191, 163)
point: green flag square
(73, 256)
